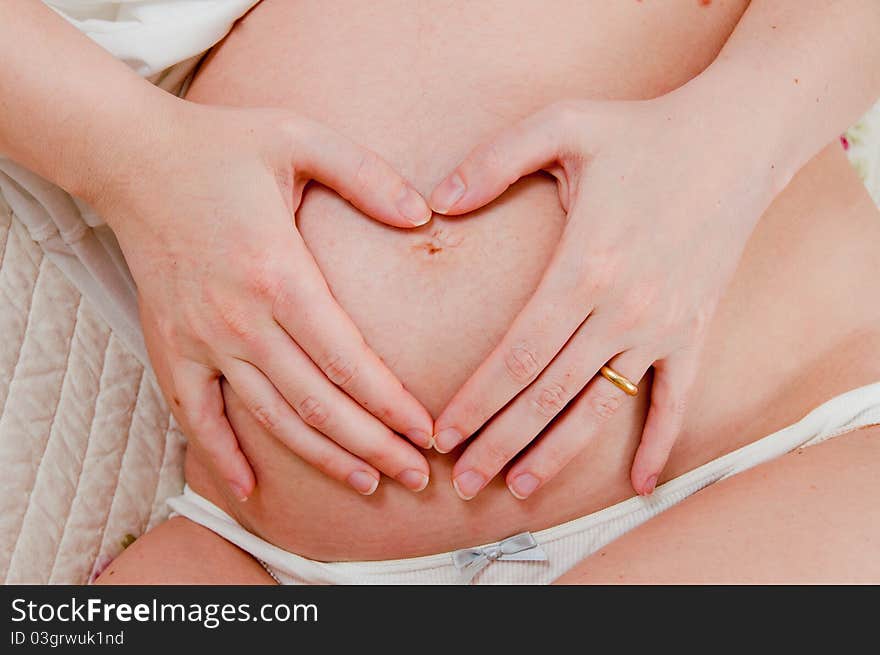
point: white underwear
(542, 556)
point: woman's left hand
(660, 201)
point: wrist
(752, 126)
(112, 155)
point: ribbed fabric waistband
(564, 545)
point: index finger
(310, 314)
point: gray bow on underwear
(521, 547)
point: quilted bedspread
(88, 453)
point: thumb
(528, 146)
(360, 176)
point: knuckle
(236, 322)
(521, 363)
(314, 412)
(265, 417)
(263, 282)
(339, 370)
(555, 458)
(495, 454)
(550, 400)
(290, 300)
(603, 404)
(383, 412)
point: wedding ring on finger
(621, 382)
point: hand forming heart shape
(628, 286)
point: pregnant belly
(421, 85)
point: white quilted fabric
(87, 451)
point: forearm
(69, 111)
(794, 75)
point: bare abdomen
(421, 84)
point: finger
(531, 411)
(585, 418)
(360, 176)
(202, 412)
(673, 380)
(328, 410)
(494, 165)
(537, 334)
(312, 317)
(273, 414)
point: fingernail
(363, 482)
(413, 480)
(650, 483)
(413, 207)
(447, 439)
(420, 438)
(239, 492)
(524, 485)
(447, 194)
(468, 484)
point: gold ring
(619, 381)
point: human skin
(806, 517)
(434, 302)
(466, 342)
(809, 517)
(209, 337)
(617, 291)
(225, 291)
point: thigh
(811, 516)
(182, 552)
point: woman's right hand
(227, 288)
